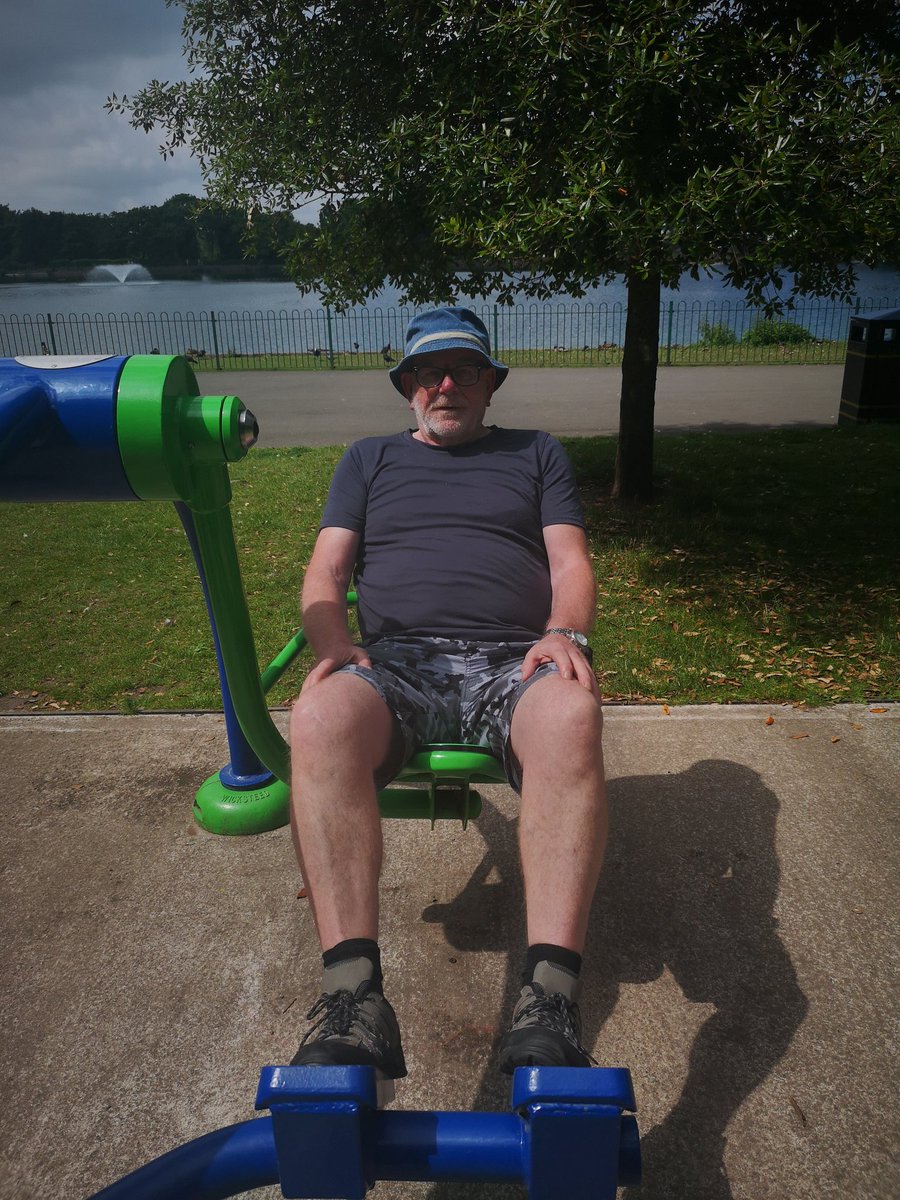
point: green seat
(449, 770)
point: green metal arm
(176, 445)
(287, 656)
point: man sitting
(476, 593)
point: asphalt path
(323, 408)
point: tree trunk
(634, 457)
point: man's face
(449, 414)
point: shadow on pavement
(689, 884)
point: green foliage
(550, 145)
(564, 141)
(718, 334)
(770, 332)
(182, 231)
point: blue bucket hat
(445, 329)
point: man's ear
(408, 383)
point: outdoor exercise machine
(136, 428)
(115, 428)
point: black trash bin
(871, 388)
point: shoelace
(337, 1012)
(554, 1011)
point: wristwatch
(575, 637)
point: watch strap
(574, 635)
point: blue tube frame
(569, 1136)
(58, 430)
(225, 1163)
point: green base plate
(219, 809)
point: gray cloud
(59, 60)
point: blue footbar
(569, 1136)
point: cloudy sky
(59, 60)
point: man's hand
(570, 662)
(328, 665)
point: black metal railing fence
(531, 334)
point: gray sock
(348, 975)
(554, 978)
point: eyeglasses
(463, 376)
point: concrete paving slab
(741, 959)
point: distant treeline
(181, 237)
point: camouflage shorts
(442, 690)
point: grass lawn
(766, 570)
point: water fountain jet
(119, 273)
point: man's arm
(573, 605)
(324, 604)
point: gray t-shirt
(452, 538)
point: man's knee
(341, 713)
(554, 702)
(557, 716)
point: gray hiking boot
(546, 1024)
(354, 1025)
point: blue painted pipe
(58, 430)
(457, 1146)
(415, 1146)
(325, 1138)
(225, 1163)
(418, 1146)
(25, 416)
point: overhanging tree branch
(548, 145)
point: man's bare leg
(341, 733)
(555, 735)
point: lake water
(253, 318)
(198, 296)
